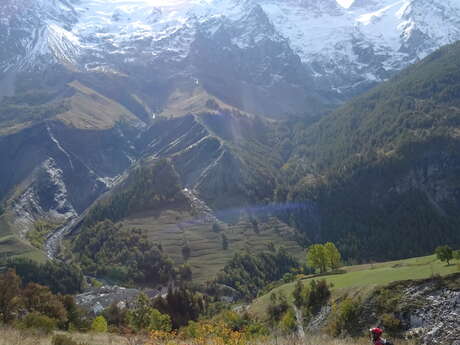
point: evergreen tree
(224, 242)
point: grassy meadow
(361, 279)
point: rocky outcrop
(427, 310)
(438, 321)
(50, 171)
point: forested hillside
(380, 175)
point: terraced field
(175, 229)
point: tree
(224, 242)
(299, 294)
(115, 315)
(333, 255)
(186, 251)
(444, 253)
(139, 317)
(99, 324)
(185, 272)
(317, 257)
(159, 321)
(145, 317)
(39, 298)
(255, 225)
(10, 292)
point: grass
(12, 246)
(174, 228)
(190, 99)
(9, 336)
(361, 279)
(91, 110)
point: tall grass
(11, 336)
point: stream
(55, 239)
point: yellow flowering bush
(201, 333)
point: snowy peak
(345, 49)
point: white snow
(323, 33)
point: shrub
(256, 329)
(388, 300)
(311, 298)
(40, 322)
(60, 339)
(144, 317)
(345, 318)
(288, 277)
(277, 308)
(99, 324)
(391, 323)
(288, 322)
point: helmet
(376, 331)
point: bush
(99, 324)
(345, 318)
(311, 298)
(388, 300)
(39, 322)
(288, 322)
(256, 329)
(60, 339)
(391, 323)
(277, 308)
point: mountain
(380, 174)
(265, 56)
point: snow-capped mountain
(307, 43)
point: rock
(416, 321)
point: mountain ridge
(339, 51)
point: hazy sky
(345, 3)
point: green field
(361, 279)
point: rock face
(45, 198)
(438, 322)
(428, 310)
(55, 174)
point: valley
(229, 171)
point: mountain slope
(383, 170)
(150, 201)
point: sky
(345, 3)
